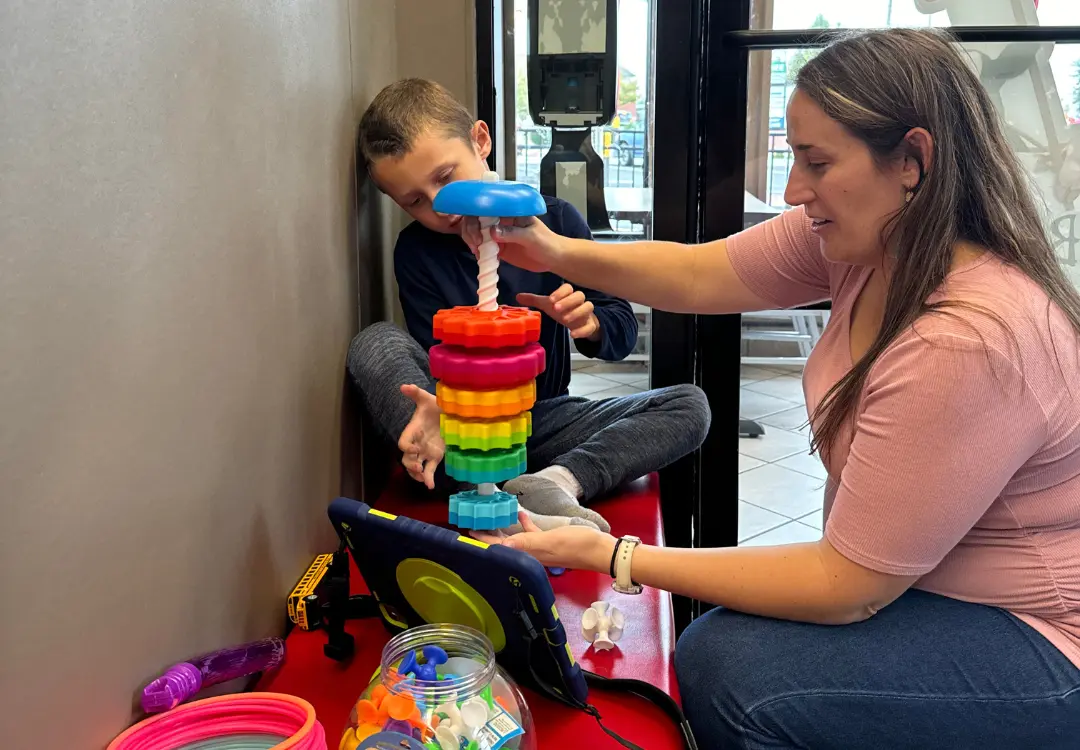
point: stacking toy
(486, 364)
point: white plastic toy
(602, 625)
(463, 723)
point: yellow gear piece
(488, 434)
(507, 402)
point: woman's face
(844, 190)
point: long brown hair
(880, 85)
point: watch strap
(624, 552)
(614, 556)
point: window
(1036, 88)
(625, 145)
(866, 14)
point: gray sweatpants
(603, 442)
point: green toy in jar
(438, 687)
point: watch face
(633, 539)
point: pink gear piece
(480, 369)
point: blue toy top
(481, 198)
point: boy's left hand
(569, 308)
(421, 443)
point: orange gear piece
(471, 327)
(507, 402)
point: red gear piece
(483, 369)
(473, 328)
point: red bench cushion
(645, 651)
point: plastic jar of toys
(438, 688)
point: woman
(941, 607)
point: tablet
(421, 574)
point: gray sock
(547, 523)
(542, 496)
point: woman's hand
(525, 242)
(576, 547)
(421, 442)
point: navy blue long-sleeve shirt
(435, 271)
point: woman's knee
(715, 665)
(733, 661)
(709, 649)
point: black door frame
(486, 94)
(677, 169)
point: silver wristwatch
(620, 565)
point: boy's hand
(421, 442)
(568, 308)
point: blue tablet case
(421, 573)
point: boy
(414, 139)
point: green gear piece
(478, 467)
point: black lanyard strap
(641, 689)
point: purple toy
(181, 681)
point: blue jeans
(925, 672)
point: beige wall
(437, 40)
(434, 39)
(177, 293)
(374, 65)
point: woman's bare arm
(664, 275)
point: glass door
(648, 184)
(625, 148)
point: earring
(908, 196)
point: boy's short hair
(402, 111)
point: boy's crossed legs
(579, 448)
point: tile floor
(781, 485)
(607, 379)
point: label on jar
(499, 729)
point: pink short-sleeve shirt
(963, 466)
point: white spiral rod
(489, 267)
(488, 252)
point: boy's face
(435, 159)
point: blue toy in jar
(438, 687)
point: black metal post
(801, 38)
(719, 337)
(645, 117)
(675, 218)
(485, 73)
